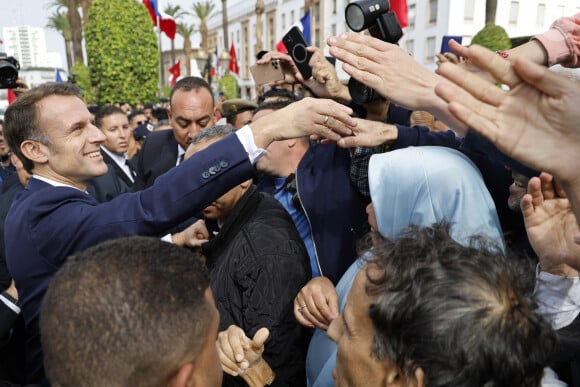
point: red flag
(167, 25)
(233, 67)
(11, 96)
(399, 7)
(175, 72)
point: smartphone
(267, 72)
(445, 42)
(296, 46)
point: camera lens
(355, 17)
(299, 53)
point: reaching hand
(370, 133)
(392, 72)
(536, 121)
(237, 352)
(316, 305)
(193, 236)
(550, 224)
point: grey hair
(213, 132)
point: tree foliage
(229, 85)
(122, 52)
(493, 37)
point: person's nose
(96, 135)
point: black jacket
(258, 264)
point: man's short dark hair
(280, 94)
(127, 312)
(274, 105)
(461, 314)
(134, 113)
(191, 83)
(22, 117)
(106, 111)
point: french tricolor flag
(166, 22)
(304, 26)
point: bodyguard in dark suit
(191, 109)
(114, 124)
(49, 128)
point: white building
(429, 21)
(28, 45)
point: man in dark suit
(49, 129)
(191, 109)
(114, 124)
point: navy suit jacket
(119, 172)
(157, 155)
(47, 224)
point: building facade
(28, 45)
(429, 21)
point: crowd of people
(429, 237)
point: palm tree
(85, 5)
(490, 11)
(58, 21)
(225, 24)
(76, 28)
(176, 13)
(186, 30)
(203, 10)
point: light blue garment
(421, 186)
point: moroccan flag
(175, 72)
(399, 7)
(233, 67)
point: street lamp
(224, 59)
(201, 60)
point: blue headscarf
(420, 186)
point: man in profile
(138, 312)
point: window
(283, 22)
(412, 14)
(430, 50)
(469, 10)
(540, 16)
(410, 46)
(333, 29)
(333, 7)
(514, 10)
(432, 17)
(292, 17)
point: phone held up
(267, 72)
(296, 46)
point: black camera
(9, 67)
(373, 15)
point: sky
(36, 12)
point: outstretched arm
(537, 121)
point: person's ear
(184, 377)
(395, 378)
(34, 151)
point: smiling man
(191, 109)
(50, 130)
